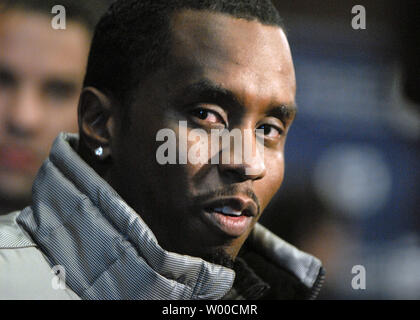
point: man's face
(41, 73)
(223, 73)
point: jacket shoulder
(24, 271)
(291, 273)
(11, 235)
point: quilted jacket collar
(81, 223)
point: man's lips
(17, 159)
(231, 215)
(233, 205)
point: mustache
(228, 191)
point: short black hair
(86, 12)
(133, 39)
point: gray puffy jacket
(80, 240)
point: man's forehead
(213, 39)
(26, 36)
(206, 28)
(242, 55)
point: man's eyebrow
(284, 112)
(206, 90)
(61, 83)
(7, 74)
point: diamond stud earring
(99, 151)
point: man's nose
(24, 117)
(246, 163)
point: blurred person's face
(41, 74)
(223, 73)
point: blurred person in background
(41, 75)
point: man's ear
(96, 122)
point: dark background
(351, 194)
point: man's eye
(60, 91)
(6, 79)
(207, 115)
(270, 131)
